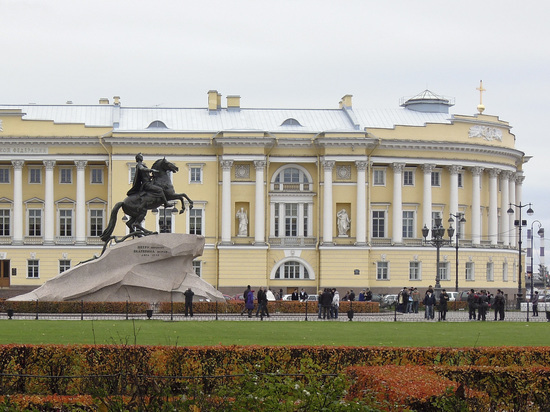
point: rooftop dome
(428, 102)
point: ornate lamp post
(519, 223)
(438, 231)
(541, 234)
(459, 220)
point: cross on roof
(481, 90)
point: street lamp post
(459, 220)
(165, 226)
(519, 224)
(438, 231)
(541, 234)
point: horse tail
(106, 235)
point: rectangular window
(5, 222)
(96, 176)
(408, 178)
(4, 175)
(65, 222)
(277, 220)
(35, 175)
(382, 272)
(195, 221)
(490, 274)
(96, 222)
(291, 219)
(460, 179)
(379, 177)
(414, 271)
(378, 223)
(292, 270)
(35, 222)
(435, 215)
(64, 264)
(436, 179)
(195, 174)
(444, 271)
(165, 219)
(65, 175)
(197, 267)
(306, 217)
(132, 174)
(408, 223)
(33, 268)
(470, 275)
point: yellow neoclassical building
(286, 198)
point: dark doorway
(4, 273)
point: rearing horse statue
(139, 201)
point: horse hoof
(181, 211)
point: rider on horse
(143, 182)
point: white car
(452, 296)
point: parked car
(452, 296)
(388, 301)
(287, 297)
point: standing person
(416, 299)
(263, 304)
(335, 303)
(260, 298)
(402, 300)
(319, 303)
(295, 295)
(443, 299)
(250, 303)
(498, 302)
(351, 296)
(472, 305)
(188, 301)
(483, 305)
(368, 296)
(245, 295)
(410, 301)
(281, 294)
(362, 297)
(303, 295)
(429, 302)
(327, 303)
(535, 302)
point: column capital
(18, 164)
(477, 170)
(519, 178)
(49, 164)
(455, 169)
(80, 164)
(494, 172)
(506, 174)
(398, 167)
(428, 167)
(226, 164)
(328, 164)
(260, 164)
(361, 165)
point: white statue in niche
(243, 222)
(343, 222)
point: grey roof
(202, 120)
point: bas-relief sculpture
(148, 268)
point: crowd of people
(482, 301)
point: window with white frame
(408, 177)
(96, 175)
(4, 175)
(490, 273)
(414, 271)
(131, 172)
(408, 223)
(291, 269)
(96, 222)
(164, 219)
(195, 173)
(64, 264)
(382, 271)
(33, 268)
(65, 222)
(196, 221)
(35, 175)
(435, 215)
(291, 219)
(436, 178)
(444, 272)
(5, 220)
(379, 177)
(291, 179)
(378, 223)
(65, 175)
(505, 272)
(197, 267)
(470, 274)
(35, 222)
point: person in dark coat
(500, 303)
(326, 301)
(245, 294)
(295, 295)
(472, 305)
(262, 303)
(535, 302)
(443, 299)
(189, 301)
(429, 302)
(250, 303)
(260, 298)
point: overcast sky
(289, 53)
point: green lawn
(157, 332)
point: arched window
(291, 179)
(292, 268)
(157, 124)
(291, 122)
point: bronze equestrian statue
(147, 193)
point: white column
(427, 196)
(493, 206)
(18, 201)
(453, 194)
(397, 203)
(80, 202)
(504, 205)
(226, 200)
(301, 219)
(259, 211)
(327, 202)
(310, 219)
(49, 210)
(476, 205)
(511, 217)
(361, 215)
(282, 220)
